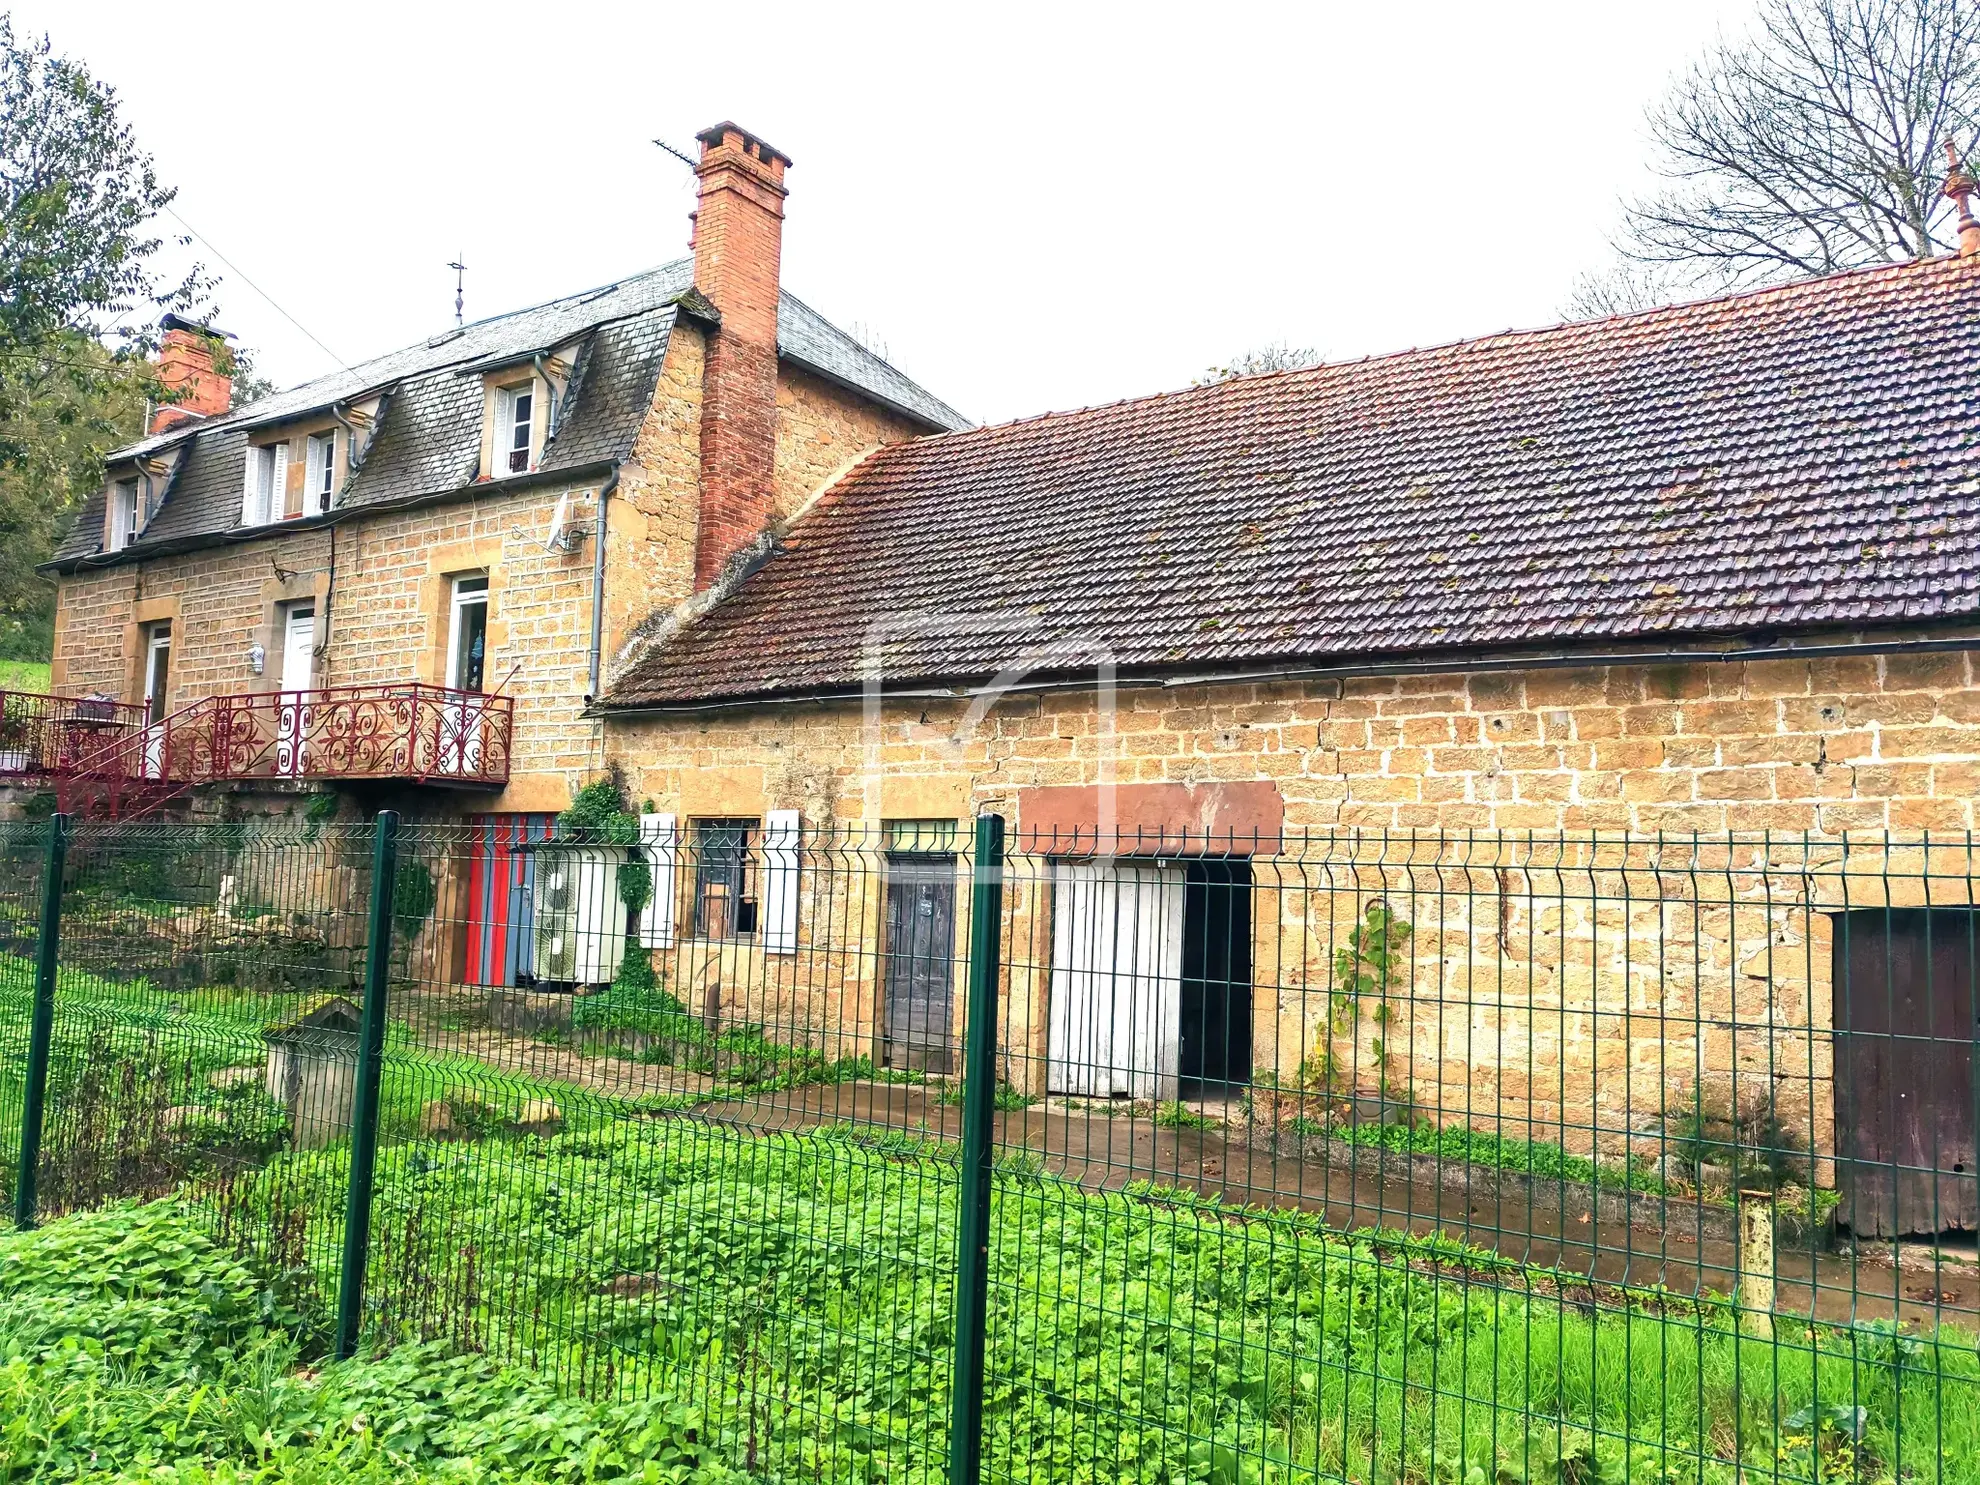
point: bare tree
(1813, 146)
(1276, 356)
(1626, 288)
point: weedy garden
(783, 1307)
(280, 1239)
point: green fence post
(34, 1098)
(364, 1104)
(986, 928)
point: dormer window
(320, 481)
(266, 491)
(123, 527)
(514, 411)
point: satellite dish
(560, 521)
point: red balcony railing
(409, 732)
(46, 737)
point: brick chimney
(186, 365)
(738, 241)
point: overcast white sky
(1033, 207)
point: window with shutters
(265, 491)
(725, 878)
(320, 481)
(123, 524)
(515, 426)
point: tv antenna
(460, 281)
(682, 155)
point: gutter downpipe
(593, 656)
(549, 396)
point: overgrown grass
(133, 1347)
(1540, 1159)
(24, 675)
(795, 1290)
(637, 1017)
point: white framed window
(123, 528)
(467, 633)
(319, 482)
(266, 489)
(515, 414)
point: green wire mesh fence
(1319, 1157)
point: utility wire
(211, 247)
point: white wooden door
(157, 673)
(298, 657)
(467, 639)
(1116, 1012)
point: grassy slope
(23, 675)
(796, 1291)
(132, 1347)
(793, 1294)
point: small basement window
(123, 527)
(515, 412)
(725, 878)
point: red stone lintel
(1219, 819)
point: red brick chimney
(738, 241)
(186, 366)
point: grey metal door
(921, 952)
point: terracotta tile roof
(1807, 456)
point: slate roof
(1799, 457)
(429, 432)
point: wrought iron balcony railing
(45, 737)
(401, 732)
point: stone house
(1699, 579)
(405, 579)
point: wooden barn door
(1117, 952)
(1905, 1034)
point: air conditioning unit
(579, 924)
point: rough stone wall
(1821, 745)
(822, 430)
(1570, 991)
(390, 621)
(218, 601)
(387, 620)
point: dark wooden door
(1905, 1031)
(921, 949)
(1216, 978)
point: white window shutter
(780, 882)
(251, 490)
(278, 484)
(313, 473)
(659, 842)
(498, 439)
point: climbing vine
(1367, 971)
(598, 815)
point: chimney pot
(1960, 187)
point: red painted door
(500, 877)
